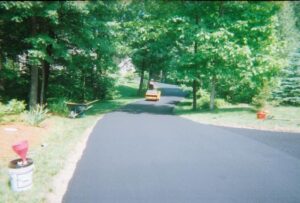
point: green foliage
(59, 107)
(13, 81)
(288, 91)
(36, 115)
(260, 100)
(2, 111)
(204, 101)
(130, 76)
(296, 7)
(75, 45)
(287, 29)
(15, 107)
(76, 39)
(219, 103)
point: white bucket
(21, 177)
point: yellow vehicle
(152, 95)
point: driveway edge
(61, 181)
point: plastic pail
(20, 176)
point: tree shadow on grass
(235, 109)
(184, 103)
(149, 108)
(127, 91)
(176, 92)
(102, 107)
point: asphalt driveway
(142, 153)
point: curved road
(142, 153)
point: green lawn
(60, 140)
(282, 118)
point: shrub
(219, 103)
(260, 100)
(204, 101)
(36, 116)
(59, 107)
(15, 107)
(2, 110)
(130, 76)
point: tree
(189, 23)
(74, 38)
(233, 39)
(289, 88)
(148, 39)
(288, 91)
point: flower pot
(261, 115)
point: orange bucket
(261, 115)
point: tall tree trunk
(213, 81)
(150, 77)
(212, 94)
(83, 86)
(93, 85)
(33, 96)
(141, 81)
(195, 81)
(194, 94)
(34, 73)
(42, 93)
(46, 81)
(161, 75)
(1, 79)
(46, 69)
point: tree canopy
(70, 49)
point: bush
(260, 100)
(130, 76)
(15, 107)
(36, 116)
(204, 101)
(2, 110)
(59, 107)
(219, 103)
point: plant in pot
(260, 101)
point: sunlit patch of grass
(282, 118)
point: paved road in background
(144, 154)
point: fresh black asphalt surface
(144, 154)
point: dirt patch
(14, 132)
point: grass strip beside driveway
(58, 144)
(281, 118)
